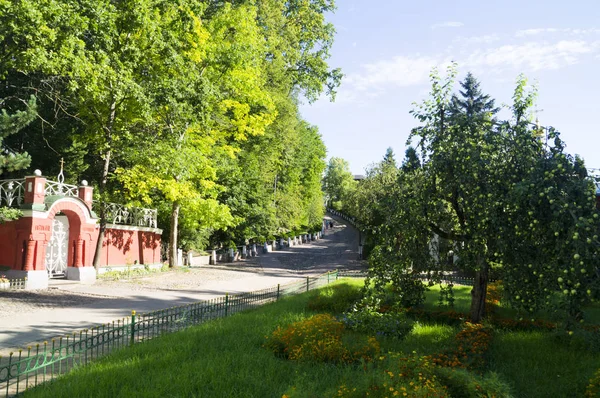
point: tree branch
(448, 235)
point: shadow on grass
(538, 365)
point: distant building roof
(358, 177)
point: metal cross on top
(61, 176)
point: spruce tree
(11, 160)
(472, 105)
(390, 158)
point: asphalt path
(31, 317)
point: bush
(593, 388)
(395, 325)
(321, 338)
(335, 299)
(411, 291)
(411, 376)
(462, 383)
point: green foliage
(533, 363)
(321, 338)
(10, 124)
(129, 273)
(374, 323)
(338, 183)
(189, 107)
(446, 295)
(533, 220)
(462, 383)
(593, 389)
(8, 214)
(335, 299)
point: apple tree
(503, 195)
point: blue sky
(386, 49)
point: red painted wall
(122, 245)
(128, 246)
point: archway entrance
(58, 247)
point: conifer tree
(10, 124)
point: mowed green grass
(225, 358)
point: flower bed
(322, 338)
(472, 344)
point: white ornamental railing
(12, 192)
(118, 214)
(59, 188)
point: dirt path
(33, 316)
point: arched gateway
(57, 234)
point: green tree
(472, 102)
(11, 160)
(338, 183)
(210, 96)
(502, 198)
(411, 160)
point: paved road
(33, 318)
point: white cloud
(448, 24)
(533, 32)
(485, 39)
(568, 31)
(533, 56)
(481, 54)
(401, 71)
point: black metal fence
(41, 362)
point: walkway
(115, 300)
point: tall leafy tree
(502, 198)
(209, 96)
(338, 183)
(189, 106)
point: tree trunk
(102, 212)
(173, 237)
(103, 181)
(479, 292)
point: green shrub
(593, 388)
(321, 338)
(335, 299)
(410, 376)
(365, 320)
(462, 383)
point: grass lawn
(226, 358)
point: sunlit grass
(225, 358)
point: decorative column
(85, 193)
(35, 191)
(33, 268)
(79, 253)
(30, 254)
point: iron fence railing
(12, 192)
(60, 188)
(136, 216)
(42, 362)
